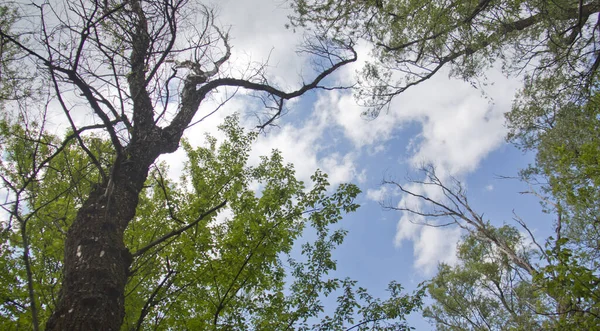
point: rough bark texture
(96, 261)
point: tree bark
(96, 264)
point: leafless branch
(457, 207)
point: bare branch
(461, 214)
(191, 97)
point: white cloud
(458, 138)
(489, 187)
(341, 110)
(378, 195)
(259, 37)
(340, 168)
(459, 129)
(458, 126)
(301, 143)
(223, 215)
(302, 146)
(431, 245)
(361, 177)
(435, 244)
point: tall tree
(127, 63)
(563, 135)
(565, 175)
(190, 269)
(414, 40)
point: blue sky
(445, 122)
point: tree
(566, 163)
(191, 269)
(565, 177)
(414, 40)
(126, 62)
(486, 290)
(501, 282)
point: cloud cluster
(458, 126)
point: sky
(444, 122)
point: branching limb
(163, 186)
(166, 282)
(178, 231)
(193, 96)
(457, 207)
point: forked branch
(179, 231)
(455, 205)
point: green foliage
(44, 183)
(569, 157)
(575, 286)
(413, 40)
(234, 271)
(259, 261)
(565, 136)
(486, 290)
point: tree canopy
(209, 251)
(98, 237)
(414, 40)
(486, 290)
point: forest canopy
(96, 236)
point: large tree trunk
(96, 263)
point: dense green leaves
(220, 248)
(567, 165)
(568, 279)
(235, 270)
(568, 158)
